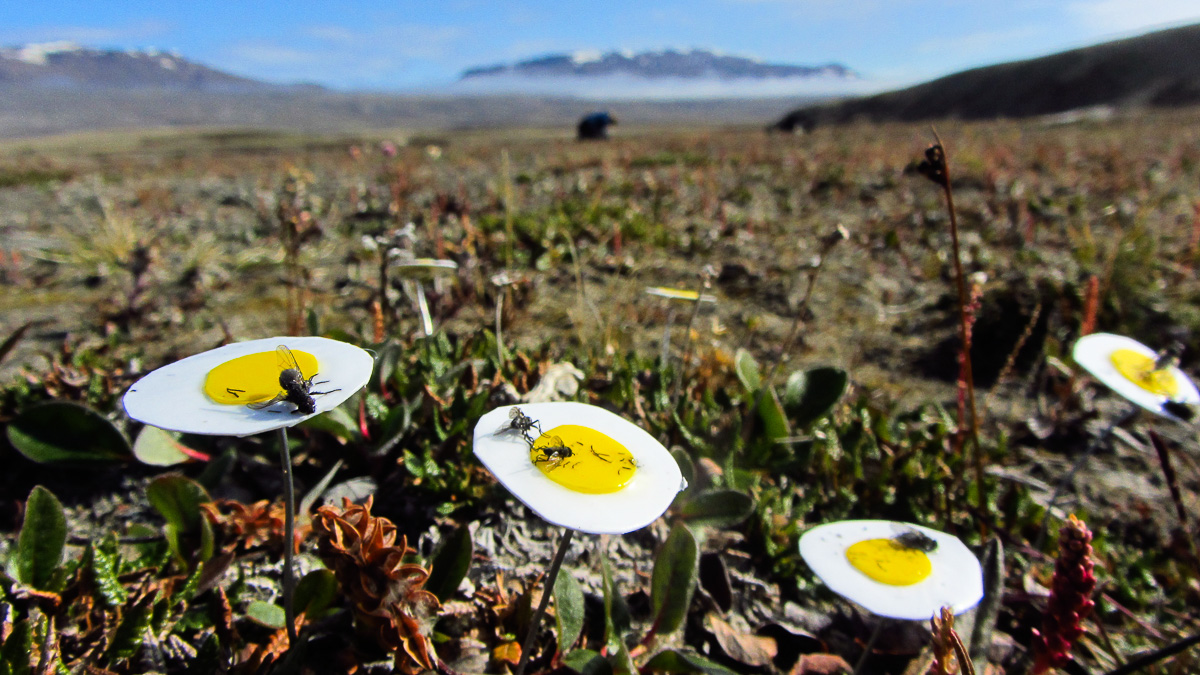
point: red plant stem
(1164, 458)
(963, 329)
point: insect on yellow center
(1139, 369)
(252, 378)
(889, 562)
(583, 459)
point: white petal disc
(633, 507)
(173, 397)
(1094, 353)
(956, 580)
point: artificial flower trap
(862, 561)
(210, 392)
(1129, 368)
(612, 477)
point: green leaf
(208, 658)
(42, 540)
(568, 609)
(104, 574)
(304, 510)
(18, 649)
(127, 638)
(587, 662)
(157, 447)
(680, 661)
(717, 508)
(810, 395)
(60, 431)
(217, 469)
(315, 593)
(11, 341)
(616, 612)
(178, 499)
(450, 564)
(267, 614)
(747, 370)
(622, 662)
(674, 579)
(988, 611)
(686, 466)
(775, 423)
(338, 422)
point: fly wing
(281, 396)
(286, 359)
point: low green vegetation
(822, 385)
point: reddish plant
(385, 592)
(1070, 598)
(247, 526)
(1091, 304)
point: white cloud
(1133, 15)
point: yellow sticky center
(889, 562)
(596, 464)
(1139, 369)
(252, 378)
(677, 293)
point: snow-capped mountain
(669, 73)
(66, 65)
(688, 63)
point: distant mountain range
(1159, 69)
(668, 73)
(66, 65)
(689, 63)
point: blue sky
(399, 44)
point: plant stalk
(527, 645)
(964, 331)
(289, 536)
(500, 361)
(862, 660)
(687, 349)
(423, 308)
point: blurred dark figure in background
(594, 127)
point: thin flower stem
(793, 333)
(500, 361)
(289, 536)
(862, 660)
(563, 545)
(687, 349)
(423, 308)
(664, 345)
(964, 330)
(1066, 480)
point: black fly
(555, 451)
(296, 389)
(915, 539)
(519, 421)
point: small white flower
(862, 561)
(208, 393)
(1128, 367)
(587, 470)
